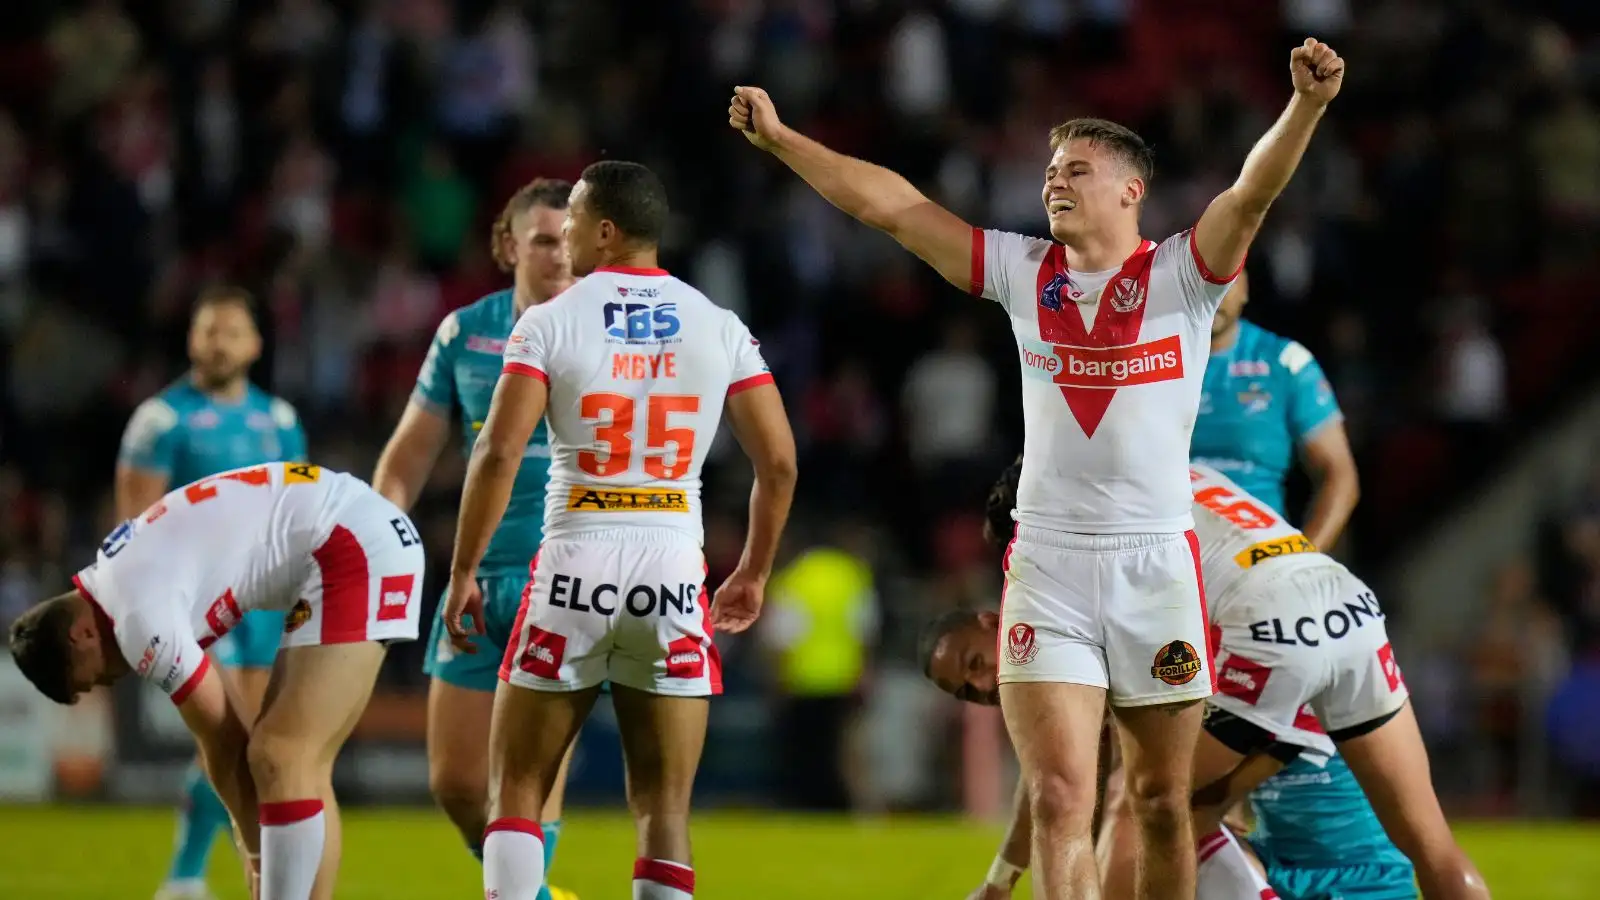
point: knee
(275, 759)
(459, 793)
(1158, 801)
(1061, 803)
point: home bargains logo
(1102, 368)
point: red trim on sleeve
(1207, 274)
(516, 368)
(187, 688)
(631, 270)
(975, 278)
(745, 384)
(288, 812)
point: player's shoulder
(163, 412)
(1014, 246)
(283, 413)
(487, 313)
(1285, 353)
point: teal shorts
(253, 643)
(502, 597)
(1378, 881)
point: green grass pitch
(93, 853)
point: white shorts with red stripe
(1310, 638)
(365, 582)
(1125, 612)
(626, 605)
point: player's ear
(1133, 191)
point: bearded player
(211, 420)
(458, 379)
(1306, 644)
(340, 563)
(1103, 576)
(634, 369)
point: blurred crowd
(343, 160)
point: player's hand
(988, 891)
(464, 598)
(1318, 71)
(752, 114)
(737, 603)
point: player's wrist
(1003, 874)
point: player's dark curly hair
(1122, 141)
(630, 195)
(551, 192)
(41, 646)
(997, 524)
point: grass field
(111, 854)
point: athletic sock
(552, 836)
(513, 859)
(1225, 871)
(662, 879)
(292, 834)
(200, 817)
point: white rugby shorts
(1124, 612)
(625, 605)
(365, 581)
(1313, 638)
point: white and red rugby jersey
(639, 365)
(1112, 364)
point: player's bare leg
(1055, 729)
(1158, 746)
(1391, 764)
(318, 695)
(662, 738)
(529, 734)
(458, 765)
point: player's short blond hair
(1123, 142)
(551, 192)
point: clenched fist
(1317, 70)
(751, 112)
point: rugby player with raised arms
(1103, 598)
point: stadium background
(1437, 252)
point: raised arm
(1229, 224)
(872, 194)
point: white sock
(513, 859)
(291, 848)
(662, 879)
(1226, 872)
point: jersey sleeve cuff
(193, 681)
(975, 276)
(745, 384)
(1205, 272)
(516, 368)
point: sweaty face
(582, 232)
(539, 250)
(1085, 188)
(1232, 306)
(964, 663)
(223, 342)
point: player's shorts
(502, 598)
(253, 643)
(1374, 881)
(1125, 612)
(365, 583)
(1314, 637)
(626, 605)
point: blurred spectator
(93, 50)
(949, 407)
(440, 207)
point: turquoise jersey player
(210, 421)
(1265, 401)
(457, 382)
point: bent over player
(211, 420)
(633, 368)
(1103, 591)
(341, 562)
(1304, 644)
(459, 374)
